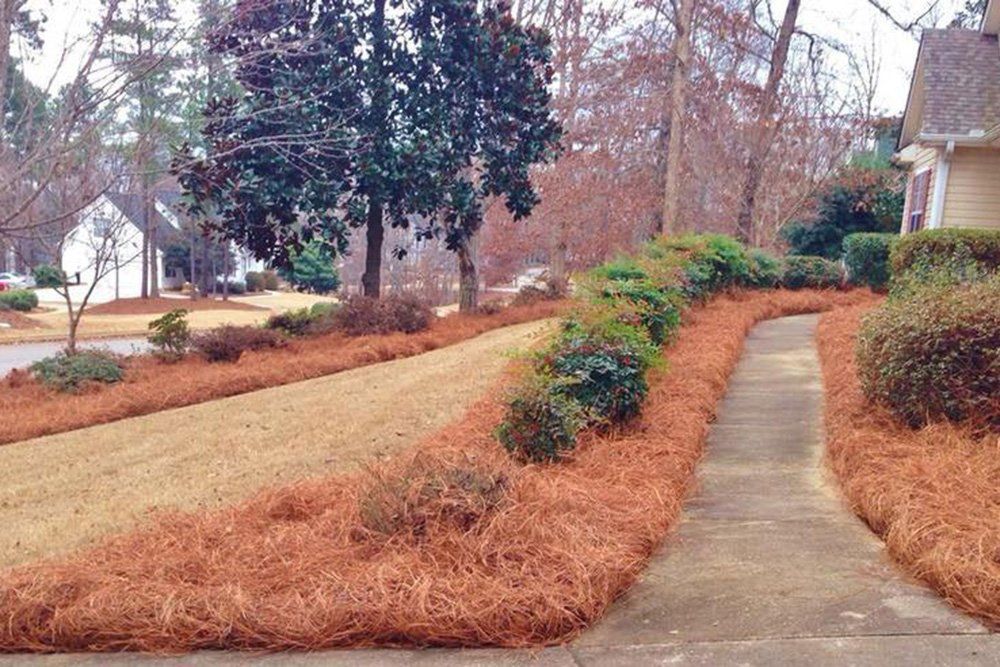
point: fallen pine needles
(451, 544)
(932, 494)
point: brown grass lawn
(62, 491)
(129, 318)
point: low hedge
(946, 248)
(19, 299)
(866, 256)
(362, 315)
(803, 271)
(935, 354)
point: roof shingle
(961, 70)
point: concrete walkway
(767, 567)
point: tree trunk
(371, 280)
(7, 12)
(557, 265)
(144, 289)
(206, 284)
(225, 272)
(154, 255)
(765, 129)
(468, 278)
(678, 104)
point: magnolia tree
(350, 116)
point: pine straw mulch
(162, 305)
(19, 321)
(932, 494)
(31, 410)
(452, 544)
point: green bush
(710, 262)
(255, 281)
(658, 310)
(766, 270)
(229, 342)
(293, 322)
(943, 257)
(71, 372)
(236, 287)
(312, 270)
(803, 272)
(866, 256)
(19, 299)
(542, 422)
(620, 269)
(170, 335)
(604, 366)
(48, 276)
(934, 354)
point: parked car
(10, 280)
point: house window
(918, 200)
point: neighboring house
(111, 228)
(950, 139)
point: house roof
(131, 207)
(955, 91)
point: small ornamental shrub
(765, 270)
(542, 422)
(530, 294)
(323, 309)
(711, 262)
(293, 322)
(430, 494)
(866, 256)
(934, 354)
(361, 315)
(270, 280)
(620, 269)
(490, 308)
(254, 281)
(72, 372)
(23, 300)
(169, 335)
(48, 276)
(810, 272)
(236, 287)
(658, 310)
(229, 342)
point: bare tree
(681, 58)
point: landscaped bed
(31, 410)
(931, 493)
(454, 543)
(165, 304)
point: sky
(853, 23)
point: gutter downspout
(941, 185)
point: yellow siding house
(951, 129)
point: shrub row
(258, 281)
(594, 373)
(19, 299)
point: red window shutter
(917, 214)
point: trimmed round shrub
(935, 354)
(620, 269)
(810, 272)
(19, 299)
(710, 262)
(235, 287)
(48, 276)
(542, 421)
(765, 269)
(866, 256)
(229, 342)
(292, 322)
(270, 280)
(254, 281)
(72, 372)
(943, 257)
(362, 315)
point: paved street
(20, 355)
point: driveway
(20, 355)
